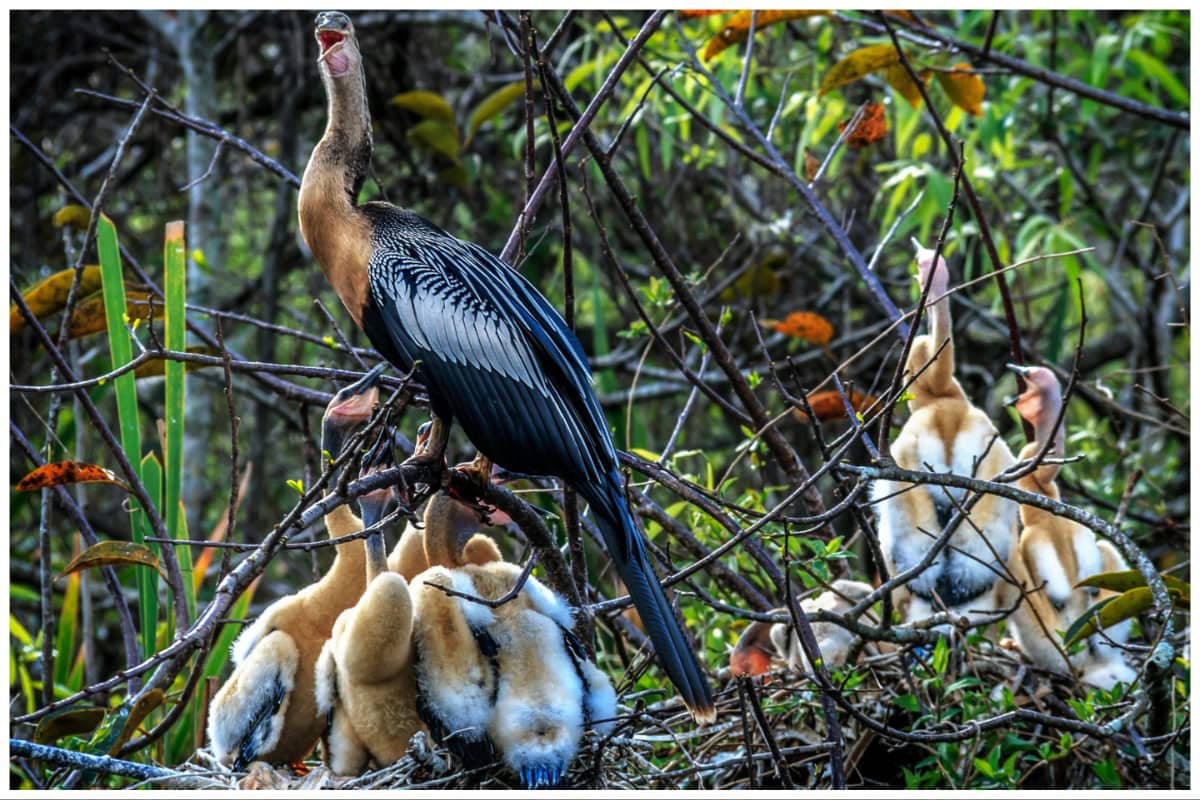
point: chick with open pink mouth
(334, 33)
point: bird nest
(771, 732)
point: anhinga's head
(340, 56)
(1041, 401)
(348, 409)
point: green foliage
(1053, 171)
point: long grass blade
(175, 287)
(120, 349)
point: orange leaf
(108, 553)
(829, 405)
(811, 165)
(859, 64)
(871, 127)
(806, 325)
(965, 89)
(737, 28)
(61, 473)
(899, 79)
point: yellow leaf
(965, 89)
(88, 317)
(899, 79)
(860, 63)
(74, 215)
(426, 104)
(156, 367)
(737, 28)
(50, 295)
(492, 106)
(435, 135)
(107, 553)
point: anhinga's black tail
(671, 644)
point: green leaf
(492, 106)
(68, 623)
(941, 656)
(67, 722)
(1162, 74)
(436, 136)
(120, 350)
(123, 722)
(1125, 580)
(174, 332)
(427, 104)
(1109, 612)
(148, 581)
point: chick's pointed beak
(1018, 369)
(359, 399)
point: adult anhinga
(1053, 554)
(266, 710)
(490, 349)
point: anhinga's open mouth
(332, 53)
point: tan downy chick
(945, 433)
(512, 680)
(1053, 554)
(764, 644)
(366, 676)
(266, 710)
(365, 685)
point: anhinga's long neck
(448, 526)
(334, 230)
(1042, 480)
